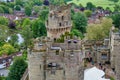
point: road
(4, 72)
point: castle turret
(59, 21)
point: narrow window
(47, 22)
(57, 52)
(60, 24)
(62, 18)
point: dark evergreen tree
(80, 22)
(17, 69)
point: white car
(2, 65)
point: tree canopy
(7, 49)
(80, 22)
(99, 31)
(116, 20)
(3, 20)
(17, 69)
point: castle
(50, 60)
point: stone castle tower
(49, 60)
(59, 21)
(115, 53)
(56, 61)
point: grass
(103, 3)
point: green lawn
(103, 3)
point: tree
(77, 33)
(90, 6)
(7, 49)
(1, 10)
(11, 5)
(44, 14)
(28, 10)
(38, 28)
(99, 31)
(3, 21)
(19, 2)
(36, 9)
(27, 34)
(116, 8)
(80, 22)
(10, 11)
(116, 20)
(13, 39)
(17, 69)
(88, 13)
(38, 2)
(3, 33)
(26, 22)
(17, 7)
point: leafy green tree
(3, 33)
(116, 20)
(17, 7)
(7, 49)
(11, 5)
(3, 21)
(26, 22)
(10, 11)
(99, 31)
(19, 2)
(38, 2)
(5, 8)
(38, 28)
(1, 10)
(36, 9)
(24, 54)
(27, 34)
(90, 6)
(116, 8)
(28, 10)
(13, 39)
(77, 33)
(88, 13)
(80, 22)
(17, 69)
(43, 14)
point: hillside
(103, 3)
